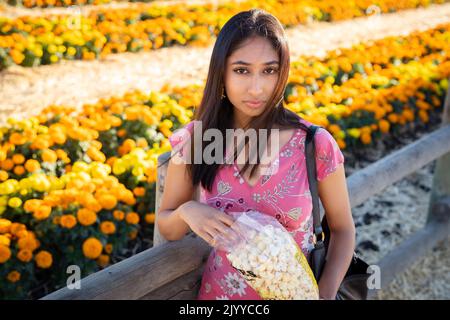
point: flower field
(33, 41)
(78, 187)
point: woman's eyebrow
(248, 64)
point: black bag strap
(310, 154)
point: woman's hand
(207, 222)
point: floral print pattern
(282, 192)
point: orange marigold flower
(42, 213)
(132, 234)
(25, 255)
(103, 260)
(139, 191)
(32, 205)
(132, 218)
(109, 248)
(17, 139)
(41, 142)
(13, 276)
(86, 217)
(5, 225)
(18, 158)
(107, 201)
(7, 164)
(150, 218)
(49, 155)
(5, 253)
(68, 221)
(384, 126)
(19, 170)
(92, 248)
(366, 138)
(16, 228)
(118, 215)
(107, 227)
(32, 165)
(28, 242)
(44, 259)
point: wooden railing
(172, 270)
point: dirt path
(27, 90)
(14, 12)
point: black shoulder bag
(354, 284)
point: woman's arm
(334, 196)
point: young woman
(245, 87)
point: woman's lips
(254, 105)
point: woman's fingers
(225, 218)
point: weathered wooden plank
(441, 177)
(140, 274)
(158, 239)
(185, 287)
(413, 249)
(377, 176)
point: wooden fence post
(441, 179)
(161, 176)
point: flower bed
(77, 188)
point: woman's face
(251, 76)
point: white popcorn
(274, 258)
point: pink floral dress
(284, 195)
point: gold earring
(223, 90)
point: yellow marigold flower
(42, 212)
(25, 255)
(3, 175)
(32, 165)
(49, 155)
(103, 260)
(4, 240)
(18, 158)
(92, 248)
(132, 218)
(107, 201)
(15, 202)
(107, 227)
(44, 259)
(150, 218)
(5, 253)
(139, 191)
(86, 217)
(68, 221)
(118, 215)
(13, 276)
(95, 154)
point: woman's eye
(272, 70)
(238, 70)
(269, 70)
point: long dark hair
(217, 112)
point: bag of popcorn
(267, 256)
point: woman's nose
(255, 86)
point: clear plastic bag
(267, 256)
